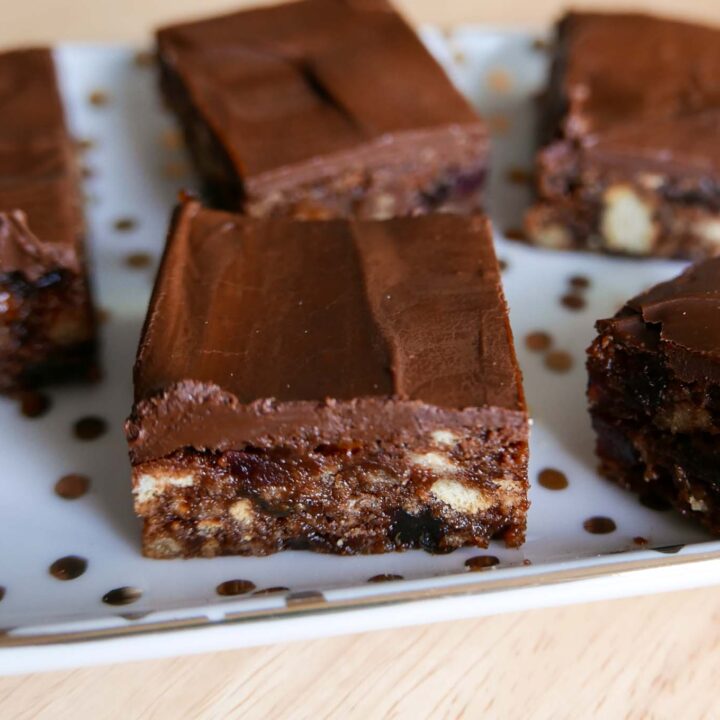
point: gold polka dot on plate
(499, 80)
(481, 562)
(125, 224)
(538, 341)
(98, 98)
(122, 596)
(85, 144)
(572, 301)
(235, 587)
(552, 479)
(385, 577)
(600, 525)
(558, 361)
(579, 282)
(89, 428)
(138, 260)
(72, 486)
(68, 568)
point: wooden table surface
(650, 657)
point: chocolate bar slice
(655, 394)
(340, 386)
(321, 108)
(47, 328)
(631, 135)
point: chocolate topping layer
(319, 331)
(37, 172)
(641, 87)
(687, 308)
(283, 86)
(23, 252)
(625, 66)
(684, 314)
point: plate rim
(313, 603)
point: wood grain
(653, 657)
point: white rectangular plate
(136, 174)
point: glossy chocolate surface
(282, 86)
(637, 88)
(683, 315)
(321, 331)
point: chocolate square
(319, 109)
(631, 135)
(341, 386)
(655, 394)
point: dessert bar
(343, 386)
(631, 136)
(47, 329)
(321, 108)
(655, 394)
